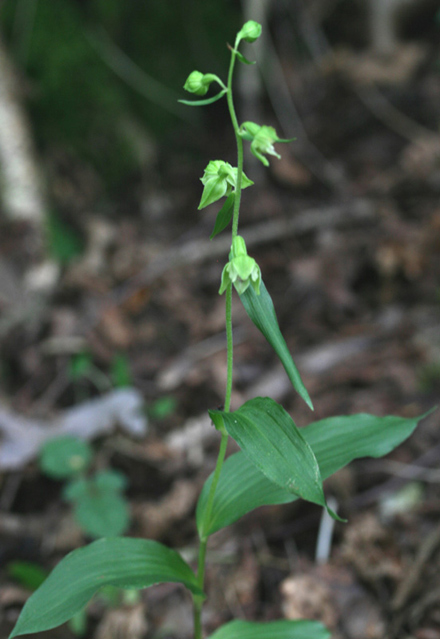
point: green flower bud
(250, 31)
(198, 83)
(241, 270)
(219, 179)
(238, 247)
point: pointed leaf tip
(261, 311)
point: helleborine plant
(278, 462)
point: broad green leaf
(336, 442)
(102, 513)
(65, 456)
(241, 57)
(223, 216)
(269, 438)
(261, 311)
(120, 562)
(204, 102)
(283, 629)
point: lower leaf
(301, 629)
(121, 562)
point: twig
(196, 251)
(414, 574)
(390, 116)
(135, 77)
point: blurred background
(108, 286)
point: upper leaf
(269, 438)
(336, 442)
(261, 311)
(204, 102)
(119, 562)
(283, 629)
(243, 59)
(224, 216)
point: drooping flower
(219, 179)
(262, 139)
(241, 270)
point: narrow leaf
(261, 311)
(204, 102)
(241, 57)
(336, 442)
(284, 629)
(269, 438)
(120, 562)
(224, 216)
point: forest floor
(349, 248)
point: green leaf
(65, 456)
(269, 438)
(120, 562)
(111, 480)
(204, 102)
(163, 407)
(284, 629)
(336, 442)
(120, 371)
(80, 365)
(261, 311)
(27, 573)
(98, 507)
(64, 243)
(241, 57)
(224, 216)
(102, 513)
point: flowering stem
(239, 141)
(198, 601)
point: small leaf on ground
(65, 456)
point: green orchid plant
(278, 462)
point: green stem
(239, 141)
(198, 601)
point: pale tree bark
(22, 196)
